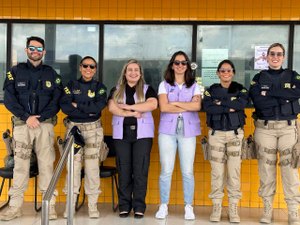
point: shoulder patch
(9, 76)
(58, 80)
(102, 91)
(244, 90)
(206, 93)
(298, 77)
(252, 83)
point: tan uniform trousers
(277, 136)
(93, 136)
(24, 137)
(225, 161)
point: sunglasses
(33, 48)
(177, 63)
(225, 70)
(87, 65)
(278, 54)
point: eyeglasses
(33, 48)
(278, 54)
(225, 70)
(87, 65)
(177, 63)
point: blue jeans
(168, 145)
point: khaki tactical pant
(93, 136)
(225, 161)
(24, 138)
(277, 136)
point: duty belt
(16, 121)
(274, 124)
(85, 126)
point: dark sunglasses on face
(225, 70)
(33, 48)
(177, 63)
(87, 65)
(278, 54)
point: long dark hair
(169, 76)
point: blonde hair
(139, 88)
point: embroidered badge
(48, 84)
(91, 94)
(9, 76)
(77, 92)
(101, 91)
(206, 93)
(287, 85)
(58, 80)
(21, 84)
(67, 91)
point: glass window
(152, 45)
(243, 44)
(73, 42)
(3, 53)
(20, 32)
(296, 61)
(66, 44)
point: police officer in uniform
(224, 104)
(31, 93)
(82, 101)
(275, 93)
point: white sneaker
(93, 211)
(162, 212)
(189, 212)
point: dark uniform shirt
(90, 97)
(282, 89)
(30, 90)
(219, 116)
(130, 91)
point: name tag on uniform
(21, 84)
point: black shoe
(123, 214)
(138, 215)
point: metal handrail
(69, 148)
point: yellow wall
(164, 10)
(211, 10)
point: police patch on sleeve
(102, 91)
(244, 90)
(252, 83)
(58, 80)
(298, 77)
(9, 76)
(206, 93)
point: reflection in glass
(236, 42)
(3, 52)
(65, 45)
(20, 32)
(296, 61)
(152, 45)
(73, 42)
